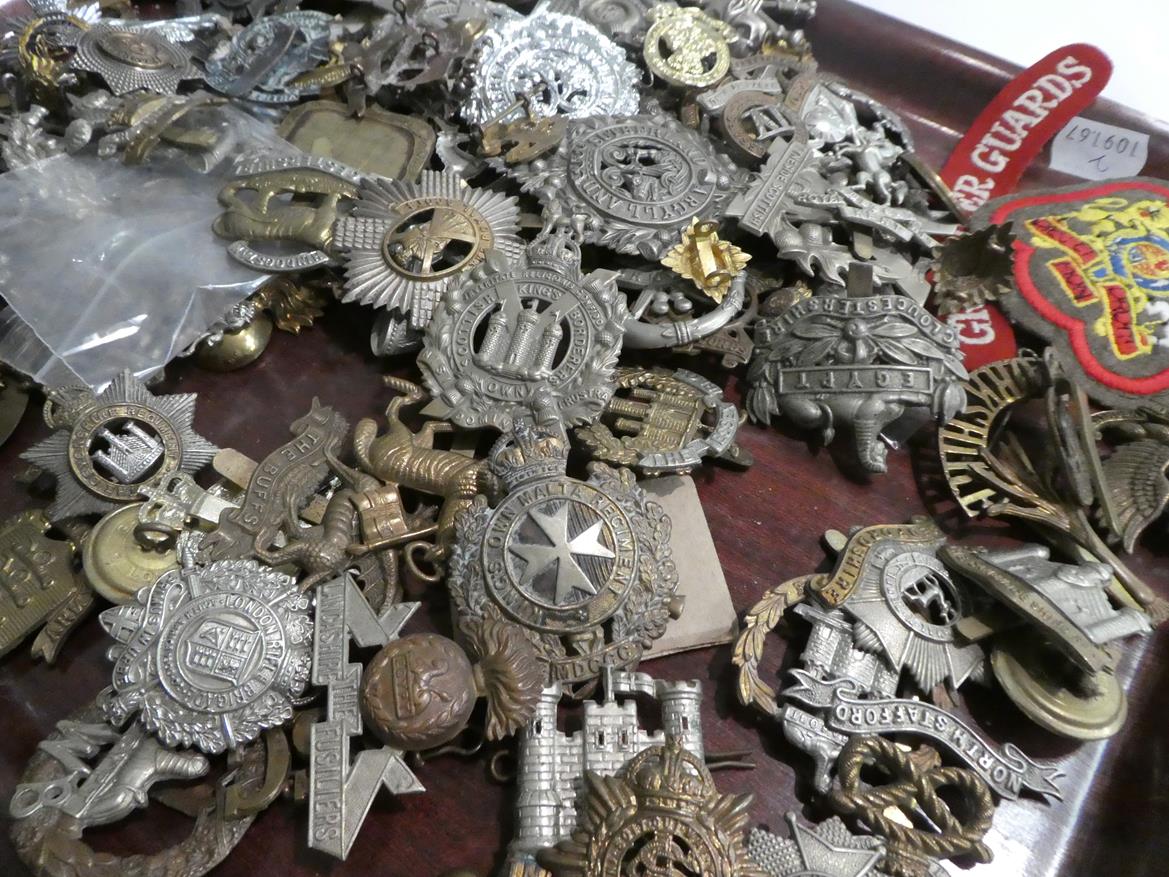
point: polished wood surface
(766, 524)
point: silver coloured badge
(662, 316)
(633, 183)
(211, 657)
(23, 139)
(754, 27)
(116, 785)
(845, 690)
(183, 29)
(621, 20)
(908, 607)
(797, 200)
(1006, 770)
(174, 501)
(863, 362)
(832, 653)
(551, 764)
(825, 850)
(898, 225)
(129, 60)
(812, 247)
(793, 167)
(585, 567)
(563, 64)
(405, 243)
(237, 10)
(1068, 601)
(531, 339)
(260, 62)
(888, 608)
(342, 790)
(107, 446)
(441, 13)
(392, 335)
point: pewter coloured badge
(635, 182)
(405, 243)
(584, 567)
(114, 443)
(861, 362)
(211, 657)
(341, 791)
(534, 338)
(261, 60)
(565, 66)
(129, 60)
(890, 580)
(847, 711)
(1068, 602)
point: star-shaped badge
(115, 442)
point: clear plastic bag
(112, 267)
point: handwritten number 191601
(1108, 142)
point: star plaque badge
(107, 446)
(210, 658)
(584, 567)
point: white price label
(1096, 151)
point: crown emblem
(554, 250)
(528, 454)
(665, 793)
(669, 777)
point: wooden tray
(766, 525)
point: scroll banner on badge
(1008, 771)
(998, 147)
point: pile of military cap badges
(518, 200)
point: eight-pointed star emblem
(405, 243)
(106, 446)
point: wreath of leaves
(48, 844)
(763, 618)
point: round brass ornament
(418, 692)
(1055, 694)
(116, 564)
(234, 350)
